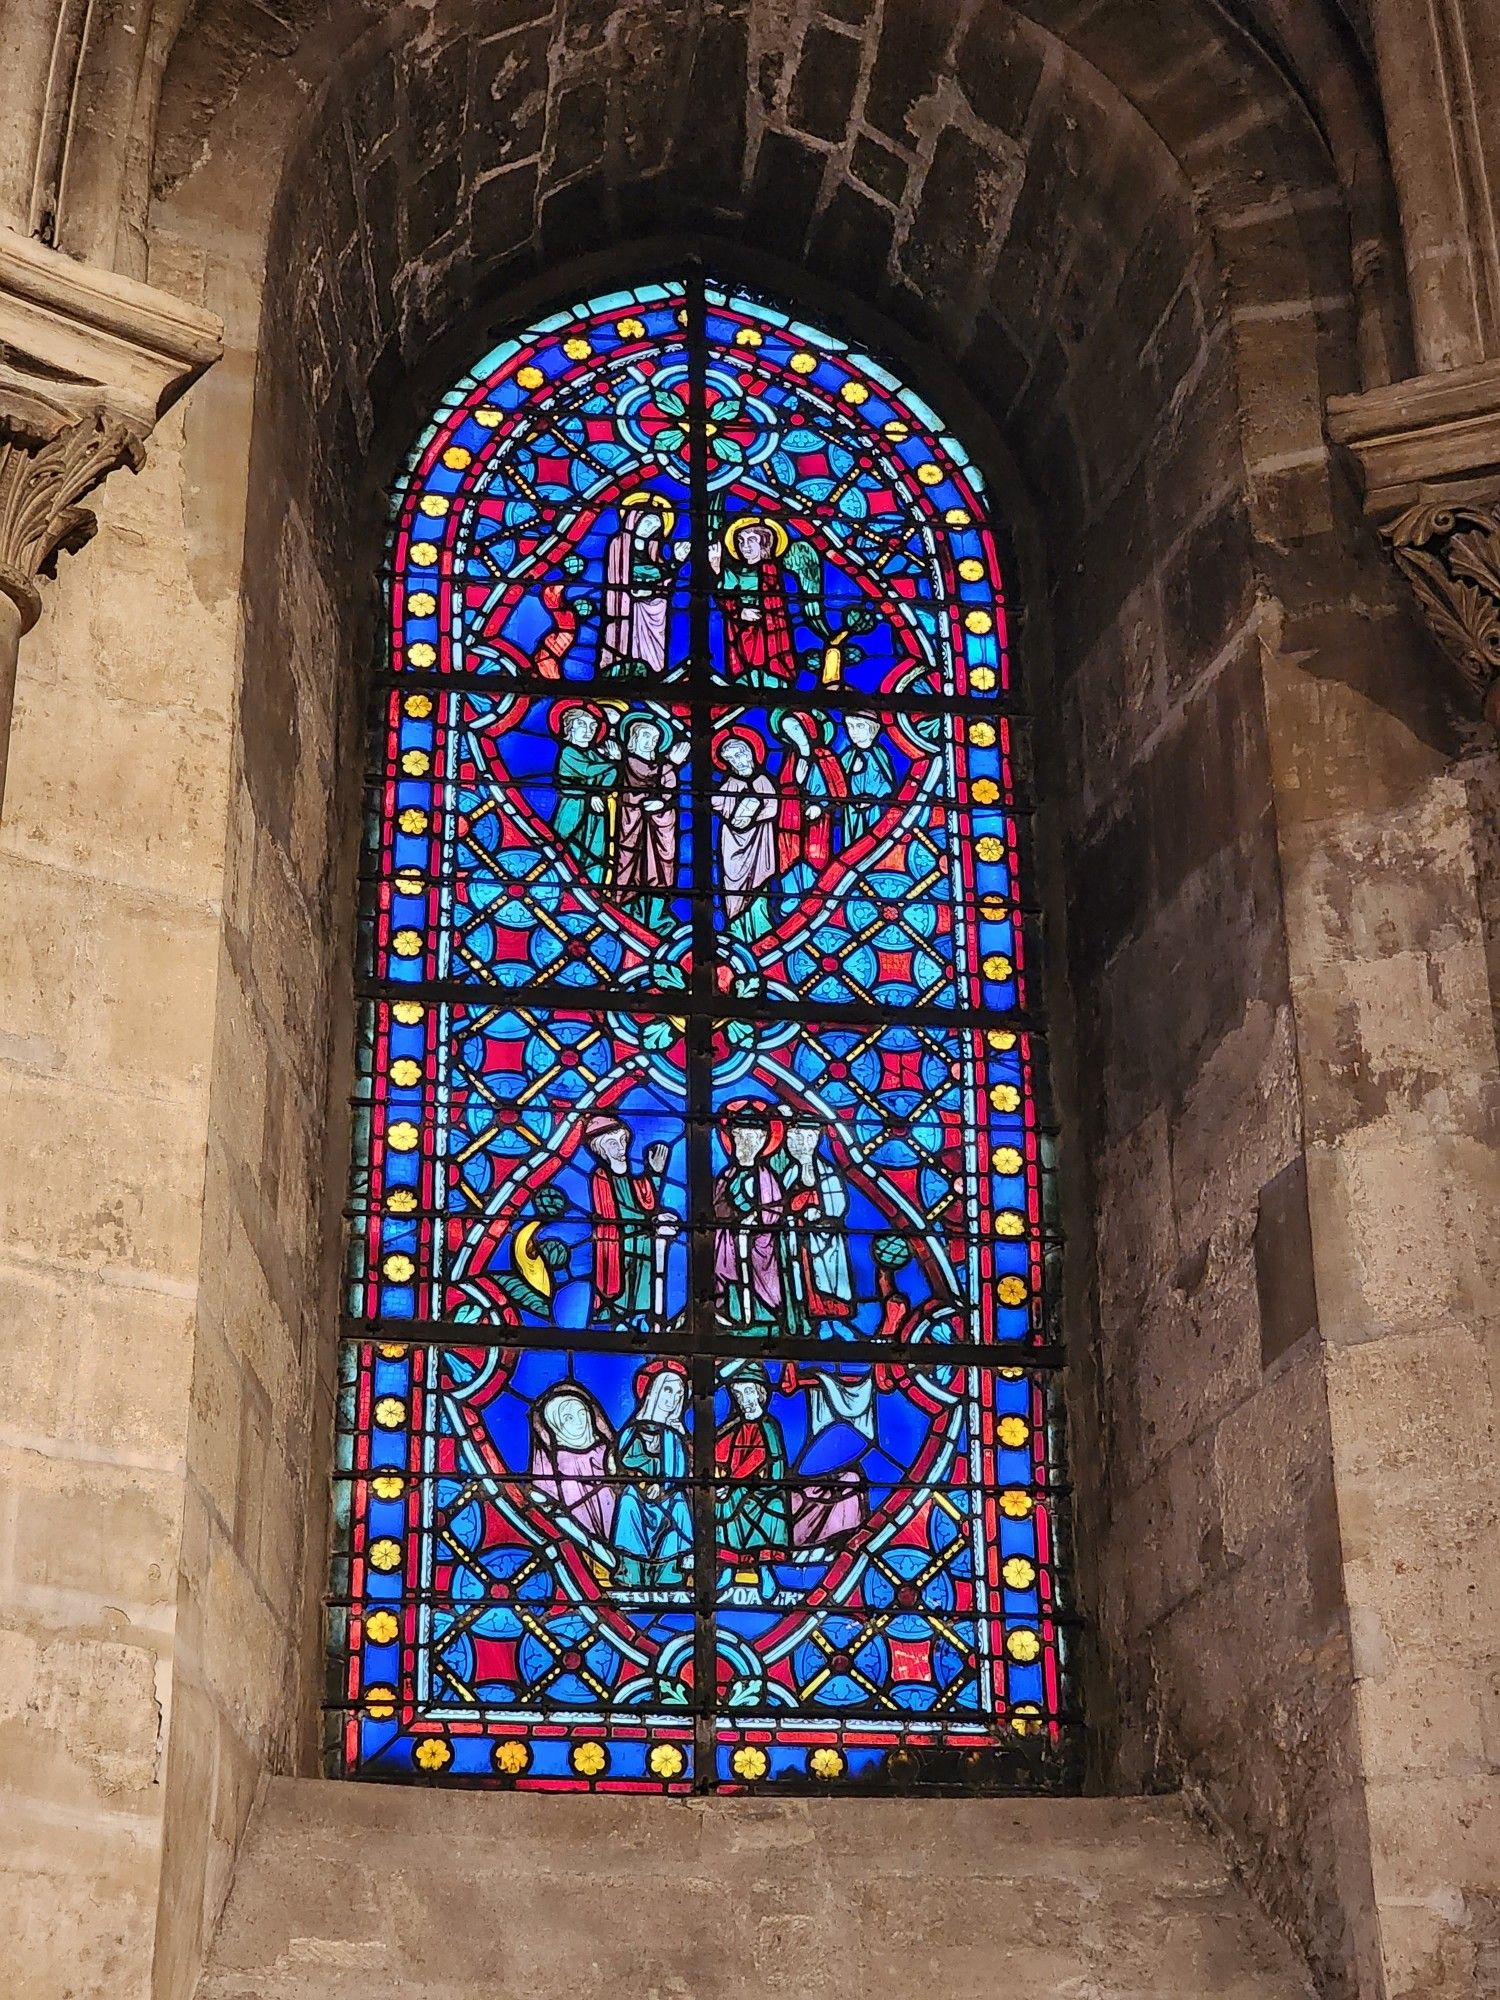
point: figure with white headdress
(646, 831)
(640, 565)
(654, 1524)
(573, 1467)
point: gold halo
(780, 539)
(641, 498)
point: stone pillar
(111, 846)
(88, 362)
(1427, 453)
(11, 628)
(1439, 64)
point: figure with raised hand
(633, 1231)
(588, 768)
(640, 565)
(654, 1525)
(750, 561)
(646, 848)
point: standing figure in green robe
(632, 1230)
(586, 776)
(750, 1494)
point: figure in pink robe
(639, 567)
(573, 1463)
(646, 834)
(747, 806)
(748, 1208)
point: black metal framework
(1038, 1750)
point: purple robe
(579, 1482)
(637, 599)
(746, 1260)
(646, 857)
(747, 853)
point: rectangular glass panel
(513, 1562)
(876, 1181)
(527, 1167)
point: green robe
(581, 821)
(750, 1497)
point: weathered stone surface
(1149, 247)
(455, 1896)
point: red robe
(609, 1237)
(740, 1450)
(798, 837)
(760, 649)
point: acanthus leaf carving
(1449, 552)
(47, 467)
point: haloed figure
(639, 566)
(747, 807)
(758, 648)
(654, 1525)
(646, 849)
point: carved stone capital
(46, 468)
(1428, 455)
(1449, 552)
(88, 362)
(74, 339)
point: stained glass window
(698, 1423)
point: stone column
(1427, 453)
(1439, 64)
(88, 362)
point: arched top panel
(700, 1428)
(577, 430)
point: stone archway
(993, 242)
(1172, 246)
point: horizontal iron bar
(555, 998)
(695, 693)
(717, 1345)
(763, 1723)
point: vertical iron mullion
(699, 1051)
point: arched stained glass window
(698, 1425)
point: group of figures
(617, 808)
(781, 1261)
(756, 567)
(625, 1498)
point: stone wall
(1112, 235)
(111, 857)
(1040, 260)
